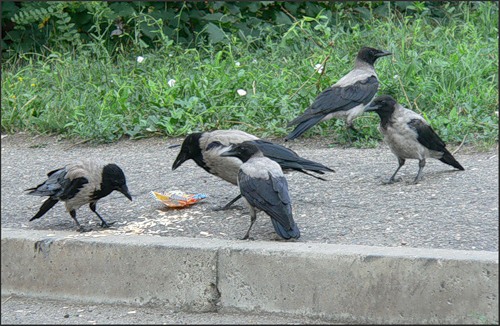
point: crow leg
(80, 228)
(351, 132)
(253, 218)
(104, 224)
(351, 128)
(421, 164)
(401, 162)
(228, 205)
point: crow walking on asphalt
(346, 99)
(78, 184)
(409, 136)
(264, 187)
(205, 149)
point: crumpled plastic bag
(177, 198)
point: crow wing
(427, 136)
(72, 187)
(269, 195)
(52, 186)
(340, 98)
(289, 159)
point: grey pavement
(17, 310)
(368, 252)
(448, 209)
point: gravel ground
(25, 311)
(447, 209)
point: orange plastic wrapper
(177, 198)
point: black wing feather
(71, 188)
(427, 136)
(52, 186)
(289, 159)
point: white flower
(140, 59)
(237, 64)
(171, 82)
(319, 68)
(241, 92)
(396, 76)
(254, 61)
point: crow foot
(106, 225)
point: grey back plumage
(223, 167)
(205, 149)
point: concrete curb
(358, 284)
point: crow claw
(106, 225)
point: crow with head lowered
(78, 184)
(205, 148)
(264, 188)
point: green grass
(448, 72)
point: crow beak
(371, 107)
(383, 54)
(181, 158)
(124, 191)
(229, 153)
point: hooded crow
(205, 149)
(346, 99)
(264, 187)
(409, 136)
(78, 184)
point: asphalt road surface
(25, 311)
(447, 209)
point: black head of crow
(409, 136)
(370, 55)
(190, 150)
(78, 184)
(346, 98)
(264, 187)
(205, 149)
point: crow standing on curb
(409, 136)
(264, 187)
(345, 99)
(205, 149)
(79, 184)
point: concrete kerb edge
(335, 282)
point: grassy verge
(447, 72)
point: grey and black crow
(264, 187)
(205, 149)
(409, 136)
(346, 98)
(78, 184)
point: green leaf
(123, 9)
(283, 19)
(216, 34)
(365, 13)
(211, 17)
(218, 4)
